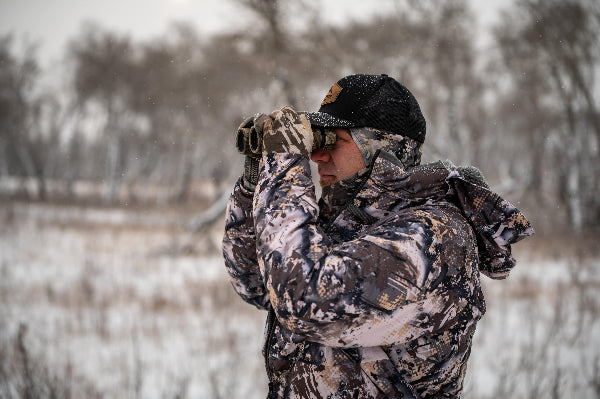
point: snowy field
(117, 303)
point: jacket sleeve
(379, 289)
(239, 248)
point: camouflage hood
(496, 222)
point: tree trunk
(3, 161)
(114, 178)
(186, 178)
(573, 143)
(114, 155)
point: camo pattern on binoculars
(249, 138)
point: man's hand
(288, 131)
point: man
(374, 292)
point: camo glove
(288, 132)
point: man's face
(339, 163)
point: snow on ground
(100, 302)
(540, 337)
(113, 310)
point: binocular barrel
(249, 139)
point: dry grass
(561, 245)
(106, 302)
(119, 309)
(541, 335)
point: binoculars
(249, 138)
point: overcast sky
(51, 23)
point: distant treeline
(523, 107)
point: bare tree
(551, 50)
(276, 42)
(186, 90)
(173, 106)
(30, 122)
(442, 46)
(103, 70)
(17, 77)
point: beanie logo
(332, 95)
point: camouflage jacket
(382, 301)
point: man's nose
(320, 155)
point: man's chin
(327, 181)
